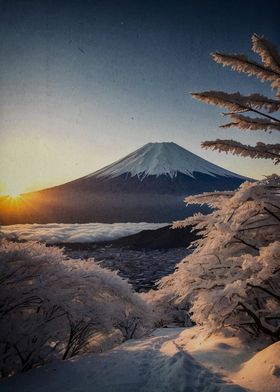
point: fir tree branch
(265, 115)
(261, 150)
(268, 52)
(249, 123)
(241, 63)
(237, 102)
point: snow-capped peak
(155, 159)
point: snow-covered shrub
(54, 307)
(233, 276)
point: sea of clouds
(53, 233)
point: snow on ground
(53, 233)
(254, 368)
(157, 363)
(169, 360)
(224, 354)
(262, 372)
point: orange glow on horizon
(14, 194)
(17, 206)
(14, 199)
(11, 204)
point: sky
(84, 83)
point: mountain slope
(162, 168)
(147, 185)
(156, 159)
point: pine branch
(236, 102)
(261, 150)
(241, 63)
(249, 123)
(259, 101)
(221, 99)
(265, 115)
(267, 51)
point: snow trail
(135, 366)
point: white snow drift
(170, 359)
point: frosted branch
(261, 150)
(267, 51)
(253, 124)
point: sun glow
(29, 164)
(14, 194)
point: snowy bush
(233, 276)
(54, 307)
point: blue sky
(85, 82)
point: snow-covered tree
(258, 106)
(232, 278)
(55, 307)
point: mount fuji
(147, 185)
(156, 159)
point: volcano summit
(147, 185)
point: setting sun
(14, 194)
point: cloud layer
(53, 233)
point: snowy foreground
(170, 359)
